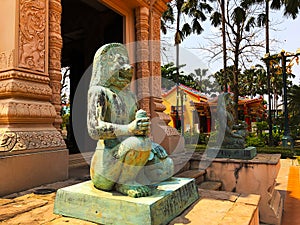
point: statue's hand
(159, 151)
(140, 126)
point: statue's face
(116, 67)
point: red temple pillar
(247, 117)
(208, 123)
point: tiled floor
(292, 200)
(27, 208)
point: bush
(277, 137)
(195, 138)
(65, 120)
(261, 126)
(285, 152)
(255, 141)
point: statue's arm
(98, 128)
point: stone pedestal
(84, 201)
(255, 176)
(247, 153)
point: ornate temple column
(142, 57)
(55, 46)
(163, 134)
(30, 146)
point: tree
(294, 109)
(252, 81)
(291, 9)
(200, 78)
(169, 71)
(243, 44)
(217, 18)
(195, 10)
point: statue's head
(111, 67)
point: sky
(285, 30)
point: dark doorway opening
(86, 25)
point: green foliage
(65, 120)
(251, 81)
(294, 100)
(277, 137)
(295, 131)
(255, 141)
(263, 125)
(285, 152)
(195, 138)
(169, 72)
(196, 10)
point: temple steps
(211, 185)
(198, 175)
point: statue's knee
(159, 170)
(137, 143)
(134, 157)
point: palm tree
(253, 81)
(194, 9)
(217, 18)
(291, 8)
(200, 76)
(293, 104)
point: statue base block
(247, 153)
(84, 201)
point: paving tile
(204, 211)
(292, 198)
(5, 201)
(40, 215)
(18, 207)
(249, 199)
(218, 195)
(239, 214)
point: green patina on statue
(125, 159)
(230, 140)
(225, 111)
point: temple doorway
(86, 25)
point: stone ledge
(211, 185)
(245, 154)
(271, 159)
(219, 207)
(25, 171)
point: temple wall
(30, 63)
(26, 112)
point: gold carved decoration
(32, 41)
(28, 140)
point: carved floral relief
(25, 140)
(32, 34)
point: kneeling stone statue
(125, 159)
